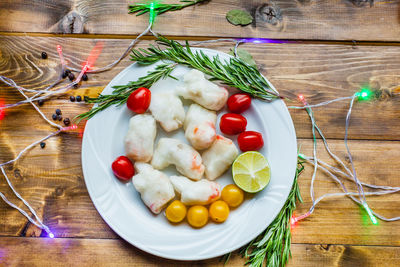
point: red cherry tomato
(232, 123)
(139, 100)
(123, 168)
(238, 103)
(250, 141)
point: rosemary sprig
(122, 92)
(234, 73)
(159, 8)
(273, 245)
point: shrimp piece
(200, 126)
(202, 91)
(154, 187)
(186, 160)
(139, 141)
(167, 109)
(202, 192)
(219, 157)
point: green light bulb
(301, 156)
(364, 94)
(152, 6)
(370, 214)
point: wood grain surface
(60, 195)
(338, 233)
(100, 252)
(320, 72)
(294, 19)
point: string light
(83, 71)
(152, 12)
(311, 115)
(293, 221)
(93, 55)
(387, 190)
(371, 216)
(301, 156)
(36, 220)
(60, 54)
(364, 94)
(111, 65)
(265, 41)
(2, 110)
(70, 128)
(86, 68)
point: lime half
(251, 171)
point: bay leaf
(245, 56)
(239, 17)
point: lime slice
(251, 171)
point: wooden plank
(51, 180)
(61, 252)
(320, 72)
(285, 19)
(338, 220)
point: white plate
(121, 207)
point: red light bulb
(2, 110)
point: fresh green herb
(122, 92)
(225, 258)
(244, 55)
(273, 245)
(159, 8)
(239, 17)
(234, 73)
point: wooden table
(322, 63)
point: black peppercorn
(59, 117)
(40, 102)
(85, 77)
(67, 121)
(72, 98)
(54, 116)
(44, 55)
(42, 144)
(64, 75)
(58, 111)
(71, 76)
(75, 85)
(78, 98)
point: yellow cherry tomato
(232, 195)
(197, 216)
(219, 211)
(176, 211)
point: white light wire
(346, 131)
(322, 103)
(351, 194)
(351, 174)
(131, 45)
(11, 83)
(30, 100)
(238, 42)
(41, 224)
